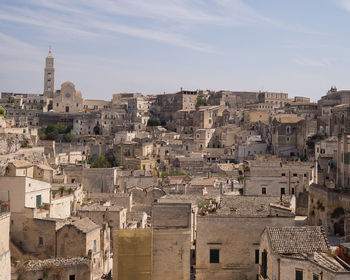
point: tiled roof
(289, 118)
(21, 163)
(250, 206)
(297, 240)
(329, 262)
(198, 181)
(85, 225)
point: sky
(154, 46)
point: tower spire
(49, 75)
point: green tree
(100, 162)
(201, 101)
(153, 122)
(62, 129)
(68, 137)
(2, 112)
(52, 135)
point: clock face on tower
(67, 95)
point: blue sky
(155, 46)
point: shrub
(68, 137)
(201, 101)
(153, 122)
(2, 112)
(100, 162)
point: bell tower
(49, 76)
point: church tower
(49, 76)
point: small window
(283, 174)
(263, 190)
(71, 277)
(305, 175)
(295, 174)
(256, 256)
(41, 241)
(293, 191)
(298, 274)
(95, 246)
(315, 277)
(283, 191)
(214, 255)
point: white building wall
(33, 188)
(60, 207)
(5, 260)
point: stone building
(298, 253)
(276, 99)
(23, 108)
(20, 168)
(208, 116)
(253, 116)
(172, 224)
(334, 97)
(327, 208)
(250, 149)
(227, 241)
(114, 216)
(99, 179)
(5, 260)
(343, 162)
(340, 120)
(96, 105)
(67, 100)
(167, 104)
(161, 252)
(24, 192)
(82, 238)
(233, 98)
(52, 269)
(275, 177)
(289, 134)
(203, 138)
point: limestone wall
(171, 254)
(237, 238)
(5, 261)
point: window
(256, 256)
(315, 277)
(283, 174)
(298, 274)
(38, 201)
(263, 268)
(293, 191)
(95, 245)
(214, 255)
(41, 241)
(71, 277)
(295, 174)
(305, 174)
(283, 191)
(263, 190)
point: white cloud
(345, 4)
(311, 62)
(166, 21)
